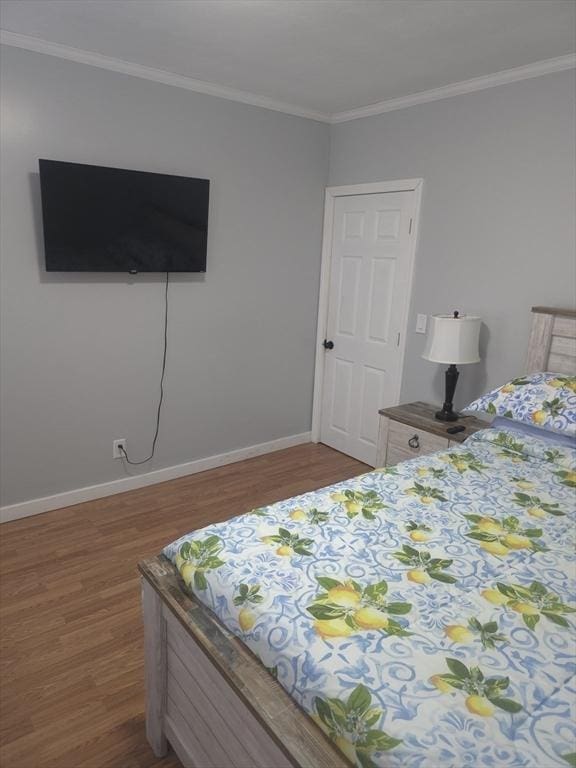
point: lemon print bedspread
(423, 614)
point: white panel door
(369, 289)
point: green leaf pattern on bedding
(422, 614)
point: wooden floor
(71, 654)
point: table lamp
(452, 339)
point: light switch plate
(421, 322)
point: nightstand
(408, 431)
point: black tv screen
(100, 219)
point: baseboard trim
(100, 491)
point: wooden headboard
(552, 345)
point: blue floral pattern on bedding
(545, 400)
(421, 614)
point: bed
(419, 615)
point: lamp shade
(453, 339)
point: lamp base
(446, 416)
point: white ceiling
(324, 56)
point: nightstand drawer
(395, 456)
(408, 442)
(412, 430)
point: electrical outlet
(421, 322)
(116, 445)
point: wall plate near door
(421, 323)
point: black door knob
(328, 344)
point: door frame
(399, 185)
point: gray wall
(81, 354)
(498, 213)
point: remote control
(455, 430)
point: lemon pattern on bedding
(422, 614)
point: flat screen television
(99, 219)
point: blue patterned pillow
(546, 400)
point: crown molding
(38, 45)
(456, 89)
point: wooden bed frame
(209, 696)
(552, 344)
